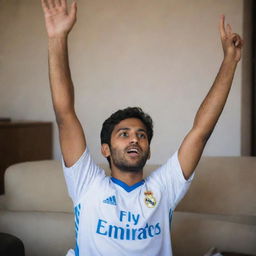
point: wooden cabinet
(23, 141)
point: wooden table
(23, 141)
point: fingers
(44, 5)
(227, 33)
(229, 30)
(237, 40)
(224, 32)
(50, 4)
(222, 26)
(63, 3)
(73, 9)
(57, 3)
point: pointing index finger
(222, 26)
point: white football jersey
(112, 218)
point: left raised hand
(231, 42)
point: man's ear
(105, 150)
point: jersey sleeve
(170, 178)
(80, 176)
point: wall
(246, 98)
(161, 55)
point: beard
(123, 164)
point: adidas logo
(110, 200)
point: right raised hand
(58, 19)
(231, 42)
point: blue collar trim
(125, 186)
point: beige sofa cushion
(223, 185)
(36, 186)
(194, 234)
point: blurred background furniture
(23, 141)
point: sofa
(218, 211)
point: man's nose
(134, 139)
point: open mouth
(133, 151)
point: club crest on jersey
(149, 200)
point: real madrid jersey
(112, 218)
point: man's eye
(141, 136)
(123, 134)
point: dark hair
(122, 114)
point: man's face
(129, 148)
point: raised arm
(59, 21)
(208, 114)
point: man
(124, 214)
